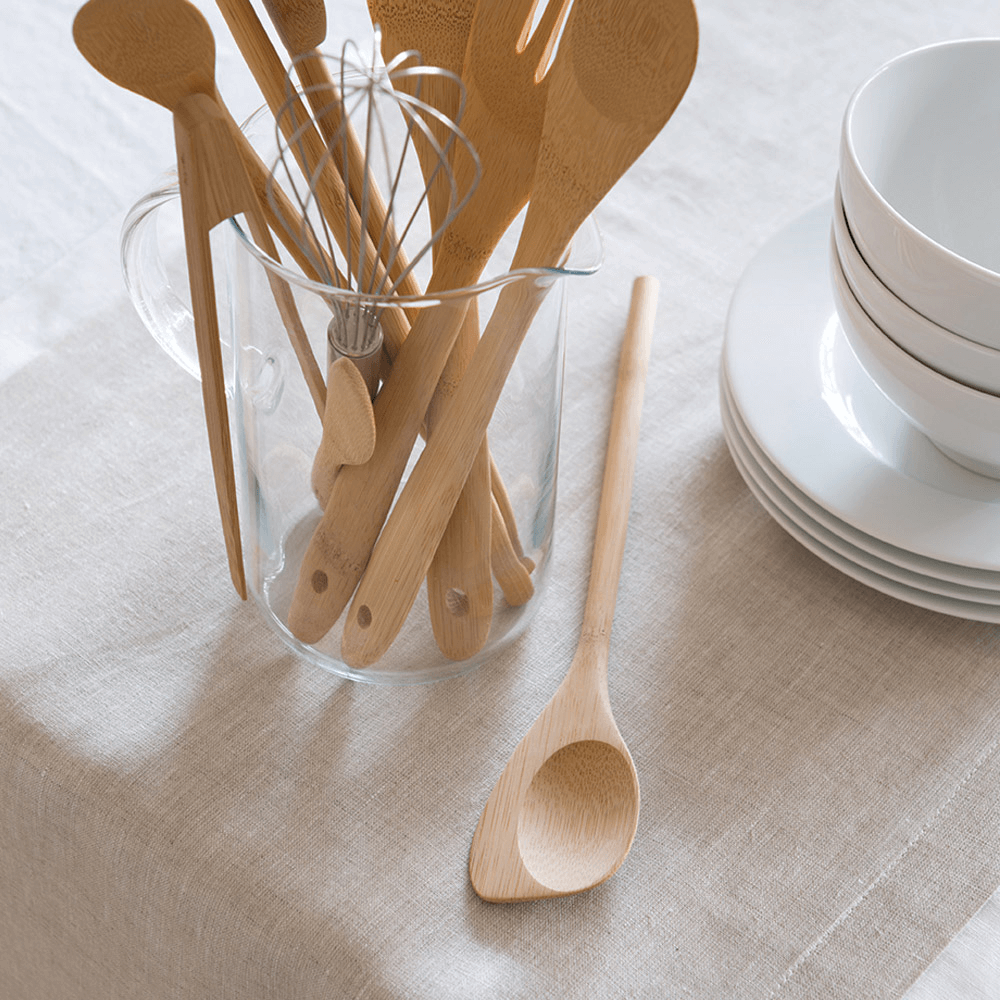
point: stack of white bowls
(915, 255)
(863, 412)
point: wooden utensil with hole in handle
(505, 109)
(629, 64)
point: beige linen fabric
(187, 811)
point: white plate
(937, 574)
(824, 424)
(911, 595)
(915, 588)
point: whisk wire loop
(374, 254)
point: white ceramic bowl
(964, 360)
(919, 155)
(964, 423)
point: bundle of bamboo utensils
(506, 118)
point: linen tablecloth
(186, 810)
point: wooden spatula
(629, 63)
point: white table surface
(76, 152)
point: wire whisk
(365, 224)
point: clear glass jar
(277, 425)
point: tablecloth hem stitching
(823, 938)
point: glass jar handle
(163, 311)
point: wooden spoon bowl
(593, 789)
(178, 60)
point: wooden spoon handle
(362, 494)
(406, 546)
(209, 170)
(459, 581)
(510, 566)
(619, 467)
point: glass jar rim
(588, 232)
(584, 256)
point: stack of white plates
(831, 459)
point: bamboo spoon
(440, 32)
(459, 582)
(563, 814)
(301, 25)
(179, 38)
(629, 63)
(115, 36)
(460, 592)
(348, 421)
(505, 129)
